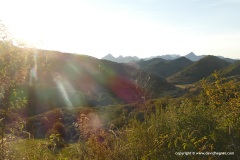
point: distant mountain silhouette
(166, 57)
(128, 59)
(120, 59)
(109, 57)
(230, 60)
(198, 70)
(191, 56)
(194, 57)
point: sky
(140, 28)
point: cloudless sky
(140, 28)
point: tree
(13, 73)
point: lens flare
(33, 71)
(89, 123)
(64, 94)
(125, 89)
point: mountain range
(163, 68)
(191, 56)
(92, 77)
(120, 59)
(198, 70)
(73, 80)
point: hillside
(163, 68)
(76, 80)
(231, 70)
(198, 70)
(150, 62)
(230, 60)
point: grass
(34, 149)
(30, 149)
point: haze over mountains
(178, 70)
(191, 56)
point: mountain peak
(191, 54)
(109, 55)
(120, 59)
(193, 57)
(120, 56)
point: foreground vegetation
(157, 129)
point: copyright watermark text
(204, 153)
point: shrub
(58, 128)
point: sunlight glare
(64, 94)
(33, 71)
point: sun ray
(33, 71)
(64, 94)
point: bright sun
(96, 29)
